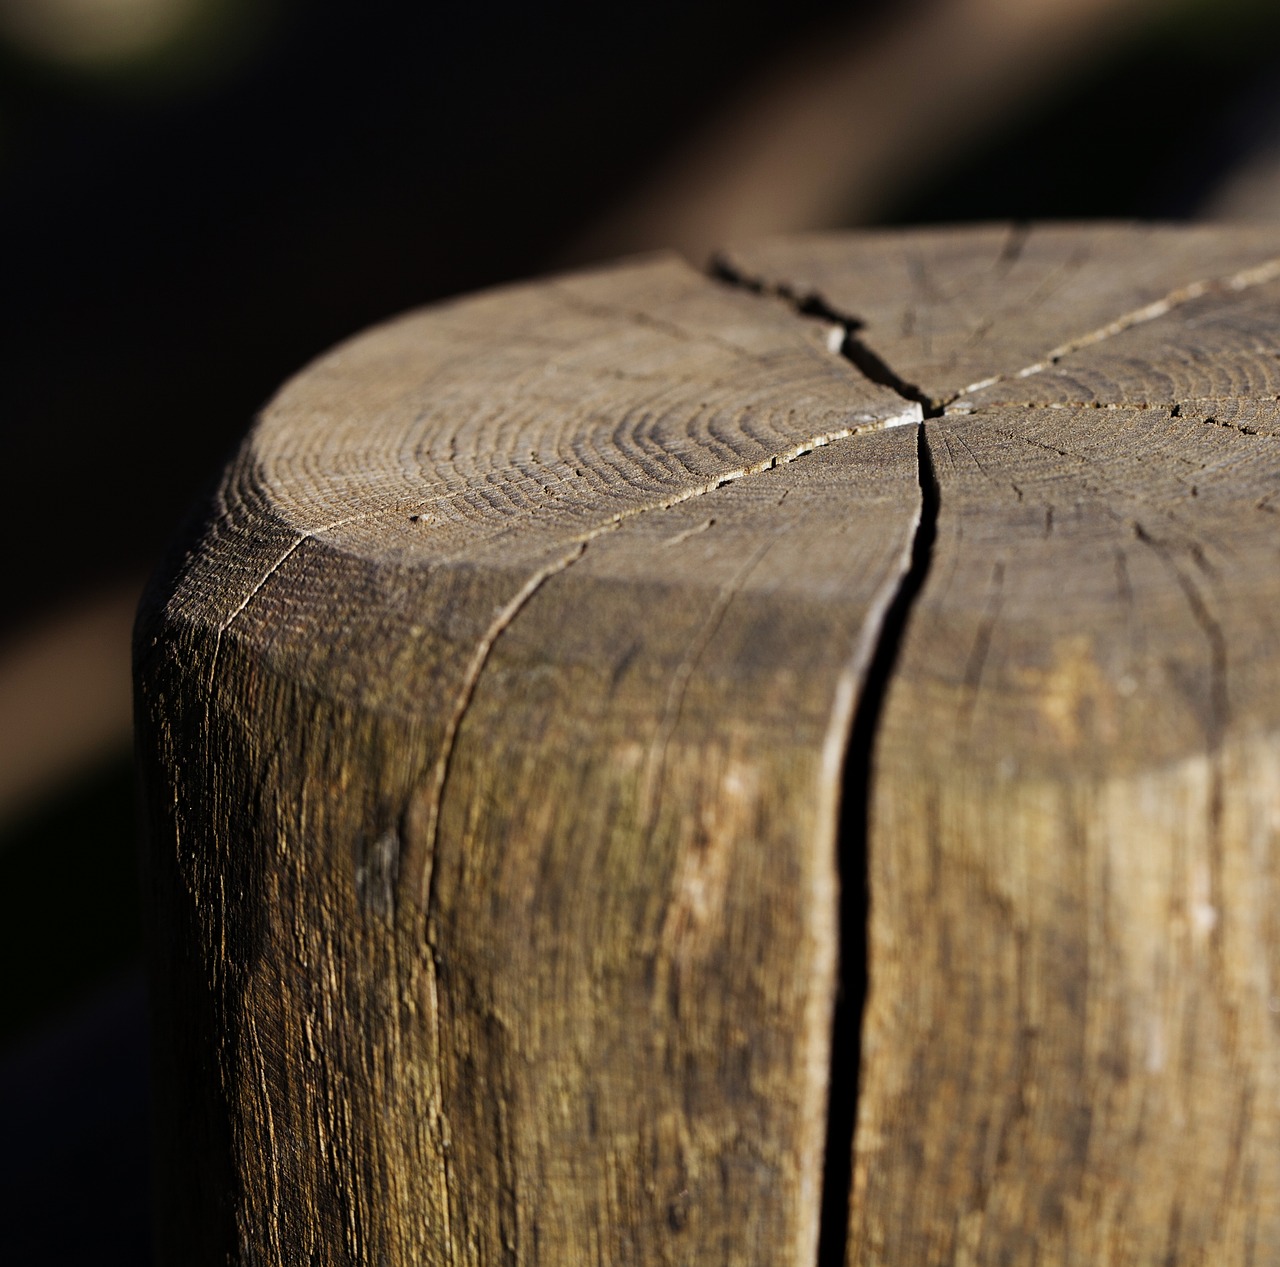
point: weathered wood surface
(507, 726)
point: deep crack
(861, 355)
(856, 351)
(853, 835)
(858, 770)
(854, 827)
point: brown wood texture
(524, 717)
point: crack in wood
(466, 693)
(1245, 279)
(887, 637)
(852, 980)
(964, 409)
(849, 345)
(257, 588)
(862, 679)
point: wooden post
(650, 767)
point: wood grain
(499, 712)
(1070, 1043)
(515, 719)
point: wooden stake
(524, 719)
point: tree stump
(775, 766)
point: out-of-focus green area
(154, 45)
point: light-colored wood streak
(495, 719)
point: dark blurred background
(198, 196)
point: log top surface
(1096, 393)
